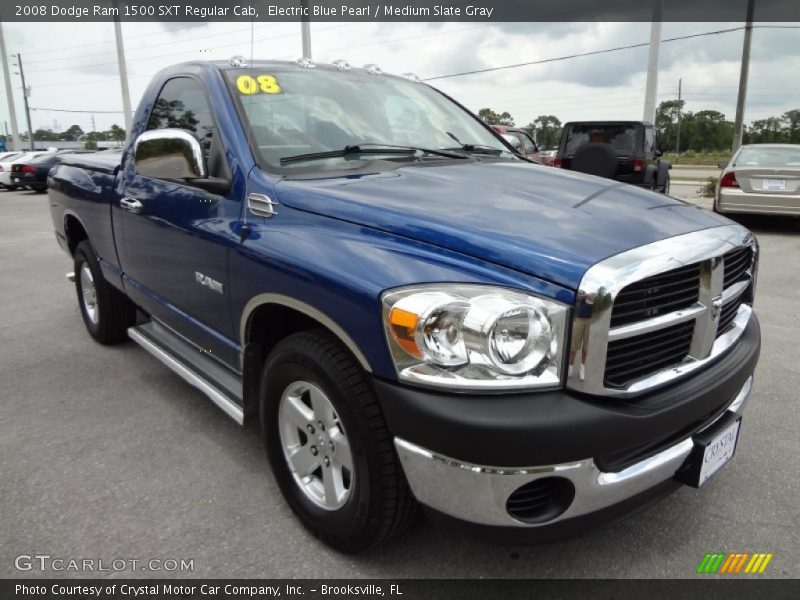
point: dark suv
(623, 150)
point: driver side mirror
(722, 164)
(661, 147)
(174, 155)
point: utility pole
(12, 112)
(123, 73)
(25, 93)
(738, 124)
(678, 142)
(652, 64)
(305, 31)
(94, 129)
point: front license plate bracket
(713, 449)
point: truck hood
(543, 221)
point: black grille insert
(657, 295)
(727, 315)
(736, 263)
(541, 500)
(631, 358)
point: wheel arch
(269, 318)
(74, 231)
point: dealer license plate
(719, 451)
(774, 184)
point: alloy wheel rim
(89, 294)
(315, 445)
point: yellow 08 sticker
(249, 85)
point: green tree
(73, 133)
(792, 128)
(546, 129)
(45, 135)
(116, 133)
(666, 124)
(767, 130)
(493, 118)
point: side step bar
(222, 386)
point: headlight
(474, 337)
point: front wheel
(665, 189)
(328, 444)
(39, 189)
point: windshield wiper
(369, 148)
(480, 149)
(475, 148)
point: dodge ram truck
(414, 315)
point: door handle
(131, 205)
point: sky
(72, 66)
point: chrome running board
(221, 385)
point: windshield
(622, 138)
(775, 157)
(295, 111)
(511, 139)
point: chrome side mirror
(171, 154)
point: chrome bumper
(478, 494)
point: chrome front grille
(664, 310)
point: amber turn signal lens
(403, 326)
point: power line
(580, 55)
(65, 110)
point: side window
(181, 104)
(649, 140)
(528, 143)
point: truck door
(175, 237)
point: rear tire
(106, 312)
(320, 415)
(11, 188)
(39, 189)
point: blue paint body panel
(339, 241)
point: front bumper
(616, 454)
(479, 494)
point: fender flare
(308, 310)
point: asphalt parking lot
(105, 453)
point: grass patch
(707, 191)
(697, 158)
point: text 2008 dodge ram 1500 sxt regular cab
(414, 315)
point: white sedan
(761, 178)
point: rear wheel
(106, 312)
(328, 444)
(11, 188)
(39, 189)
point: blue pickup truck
(412, 313)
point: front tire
(665, 189)
(39, 189)
(329, 446)
(106, 312)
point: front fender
(336, 271)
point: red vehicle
(523, 143)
